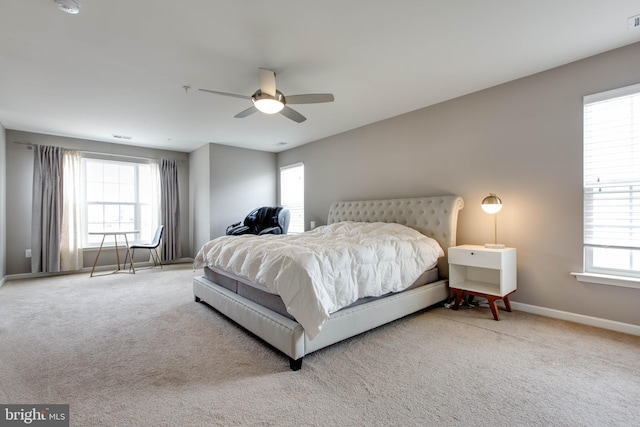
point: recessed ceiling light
(68, 6)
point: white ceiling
(119, 67)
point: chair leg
(156, 258)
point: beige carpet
(136, 350)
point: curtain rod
(28, 144)
(31, 145)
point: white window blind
(292, 195)
(612, 182)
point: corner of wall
(3, 205)
(199, 194)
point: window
(292, 195)
(612, 182)
(119, 196)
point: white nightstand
(484, 272)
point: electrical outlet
(27, 253)
(634, 22)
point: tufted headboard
(436, 217)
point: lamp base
(494, 245)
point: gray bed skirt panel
(274, 302)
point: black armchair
(264, 220)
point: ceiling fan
(269, 100)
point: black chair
(264, 220)
(153, 248)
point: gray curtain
(46, 223)
(170, 210)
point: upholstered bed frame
(435, 217)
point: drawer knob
(472, 253)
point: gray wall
(19, 173)
(239, 180)
(3, 205)
(242, 180)
(521, 140)
(200, 196)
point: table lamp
(492, 205)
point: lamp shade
(491, 204)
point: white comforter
(321, 271)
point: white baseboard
(626, 328)
(86, 270)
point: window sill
(605, 279)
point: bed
(262, 310)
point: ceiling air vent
(68, 6)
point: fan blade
(267, 81)
(225, 94)
(246, 112)
(292, 114)
(309, 98)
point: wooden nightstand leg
(459, 294)
(493, 307)
(507, 304)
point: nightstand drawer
(475, 258)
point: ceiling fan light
(268, 106)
